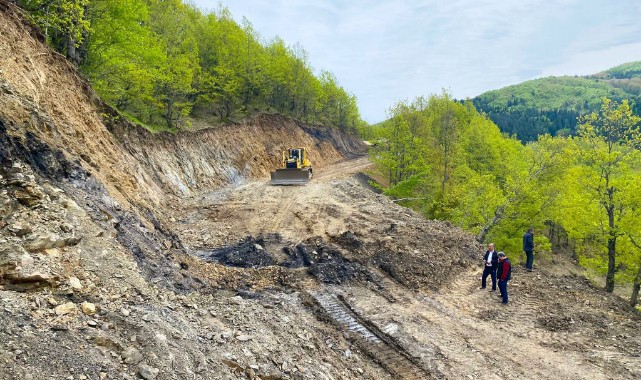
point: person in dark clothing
(528, 248)
(504, 273)
(490, 263)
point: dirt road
(408, 316)
(324, 207)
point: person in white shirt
(490, 260)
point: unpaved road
(324, 207)
(556, 326)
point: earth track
(376, 343)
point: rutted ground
(121, 256)
(556, 326)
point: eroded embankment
(188, 162)
(124, 176)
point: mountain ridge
(552, 104)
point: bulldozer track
(380, 346)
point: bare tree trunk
(498, 215)
(634, 298)
(609, 278)
(612, 238)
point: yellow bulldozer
(296, 169)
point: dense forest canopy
(552, 105)
(161, 61)
(450, 162)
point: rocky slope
(126, 254)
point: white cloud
(385, 51)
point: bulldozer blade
(290, 177)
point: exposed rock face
(104, 227)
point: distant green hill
(551, 105)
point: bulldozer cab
(295, 168)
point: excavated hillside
(126, 254)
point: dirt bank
(126, 254)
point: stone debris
(66, 308)
(88, 308)
(148, 372)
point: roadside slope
(126, 254)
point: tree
(64, 23)
(124, 56)
(400, 153)
(608, 140)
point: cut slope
(105, 261)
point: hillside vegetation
(162, 61)
(580, 193)
(551, 105)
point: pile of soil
(125, 254)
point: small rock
(258, 247)
(243, 338)
(66, 308)
(148, 372)
(74, 240)
(74, 282)
(19, 229)
(66, 227)
(92, 323)
(125, 312)
(107, 342)
(88, 308)
(54, 252)
(131, 356)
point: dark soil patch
(248, 253)
(325, 261)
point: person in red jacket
(504, 273)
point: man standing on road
(505, 274)
(528, 247)
(490, 261)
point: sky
(389, 51)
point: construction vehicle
(296, 169)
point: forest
(551, 105)
(450, 162)
(563, 159)
(161, 62)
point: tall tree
(608, 139)
(63, 22)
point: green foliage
(163, 60)
(627, 70)
(609, 161)
(551, 105)
(63, 22)
(448, 161)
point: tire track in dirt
(375, 342)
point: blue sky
(386, 51)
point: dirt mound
(126, 254)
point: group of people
(499, 267)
